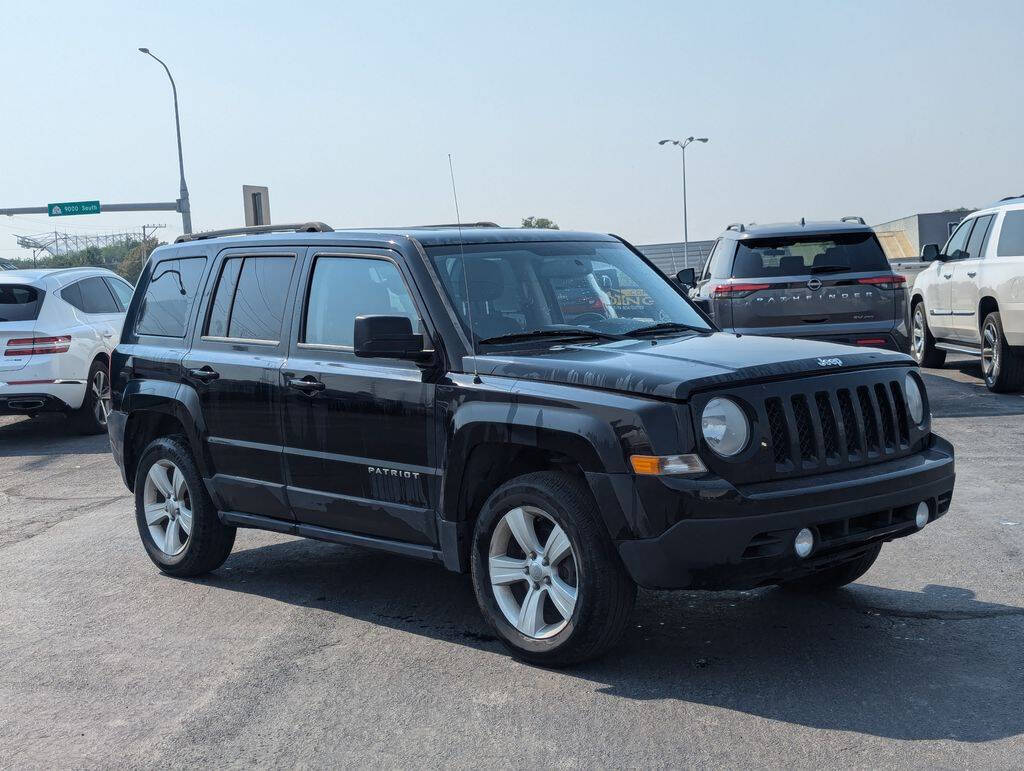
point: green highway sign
(72, 207)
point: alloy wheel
(918, 332)
(101, 396)
(533, 572)
(990, 350)
(168, 507)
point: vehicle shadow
(951, 395)
(46, 435)
(935, 664)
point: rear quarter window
(169, 297)
(1011, 237)
(19, 302)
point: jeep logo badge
(830, 362)
(814, 284)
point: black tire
(605, 594)
(209, 542)
(835, 577)
(922, 344)
(86, 419)
(1001, 365)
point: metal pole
(686, 228)
(186, 211)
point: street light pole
(682, 145)
(183, 204)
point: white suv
(970, 299)
(57, 329)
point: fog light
(803, 543)
(921, 517)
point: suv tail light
(738, 290)
(895, 281)
(28, 346)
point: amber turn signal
(666, 464)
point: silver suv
(824, 280)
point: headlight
(725, 426)
(915, 399)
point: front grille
(838, 426)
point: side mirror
(687, 277)
(930, 252)
(387, 337)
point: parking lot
(300, 652)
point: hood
(676, 367)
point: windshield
(796, 256)
(575, 286)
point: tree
(126, 259)
(540, 222)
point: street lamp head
(702, 139)
(666, 141)
(144, 50)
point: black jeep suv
(542, 409)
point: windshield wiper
(666, 326)
(515, 337)
(830, 268)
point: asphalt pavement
(305, 653)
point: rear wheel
(546, 574)
(833, 578)
(177, 520)
(1001, 365)
(922, 344)
(91, 417)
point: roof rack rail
(301, 227)
(859, 220)
(446, 226)
(737, 226)
(1011, 198)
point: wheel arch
(156, 409)
(986, 305)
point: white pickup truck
(970, 298)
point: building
(669, 258)
(903, 239)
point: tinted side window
(345, 287)
(122, 291)
(169, 296)
(978, 237)
(96, 297)
(1011, 237)
(72, 294)
(220, 310)
(250, 298)
(958, 240)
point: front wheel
(545, 572)
(922, 344)
(176, 518)
(1001, 365)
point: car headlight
(915, 399)
(725, 426)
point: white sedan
(57, 329)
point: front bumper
(748, 541)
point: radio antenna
(465, 272)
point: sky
(348, 111)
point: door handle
(972, 273)
(307, 384)
(108, 335)
(203, 375)
(947, 275)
